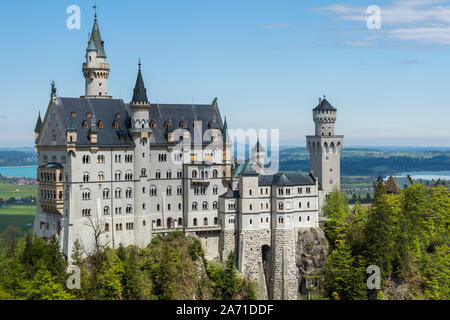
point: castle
(114, 173)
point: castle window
(101, 177)
(106, 194)
(88, 114)
(118, 193)
(106, 227)
(179, 206)
(205, 221)
(251, 207)
(158, 175)
(250, 191)
(194, 174)
(299, 219)
(205, 205)
(280, 205)
(106, 211)
(215, 205)
(215, 173)
(158, 223)
(86, 159)
(85, 124)
(143, 223)
(117, 115)
(251, 221)
(143, 172)
(116, 125)
(152, 125)
(179, 190)
(209, 125)
(158, 207)
(100, 124)
(166, 124)
(153, 191)
(169, 191)
(86, 177)
(215, 189)
(169, 174)
(308, 204)
(194, 206)
(195, 221)
(307, 218)
(181, 124)
(180, 221)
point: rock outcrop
(312, 249)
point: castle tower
(140, 133)
(325, 147)
(96, 69)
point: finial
(53, 88)
(95, 8)
(139, 64)
(324, 96)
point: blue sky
(268, 62)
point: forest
(406, 235)
(170, 268)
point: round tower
(325, 148)
(96, 69)
(140, 133)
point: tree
(10, 236)
(44, 286)
(110, 278)
(344, 277)
(336, 209)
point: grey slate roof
(51, 165)
(140, 92)
(96, 43)
(174, 114)
(230, 194)
(244, 169)
(324, 105)
(285, 179)
(258, 147)
(104, 110)
(38, 126)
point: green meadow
(19, 216)
(14, 191)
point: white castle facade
(114, 173)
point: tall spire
(95, 41)
(37, 129)
(225, 136)
(140, 92)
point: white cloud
(420, 21)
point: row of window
(119, 226)
(50, 194)
(203, 174)
(205, 206)
(49, 177)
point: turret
(96, 69)
(325, 148)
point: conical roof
(37, 129)
(324, 105)
(139, 92)
(95, 42)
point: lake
(427, 175)
(21, 172)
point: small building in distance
(394, 184)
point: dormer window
(117, 115)
(85, 124)
(100, 124)
(116, 125)
(181, 124)
(210, 125)
(166, 124)
(88, 114)
(152, 124)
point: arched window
(106, 210)
(181, 124)
(116, 125)
(194, 174)
(86, 177)
(195, 222)
(215, 173)
(158, 223)
(215, 205)
(205, 221)
(152, 124)
(169, 191)
(194, 206)
(153, 191)
(106, 194)
(101, 177)
(85, 124)
(143, 172)
(100, 124)
(205, 205)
